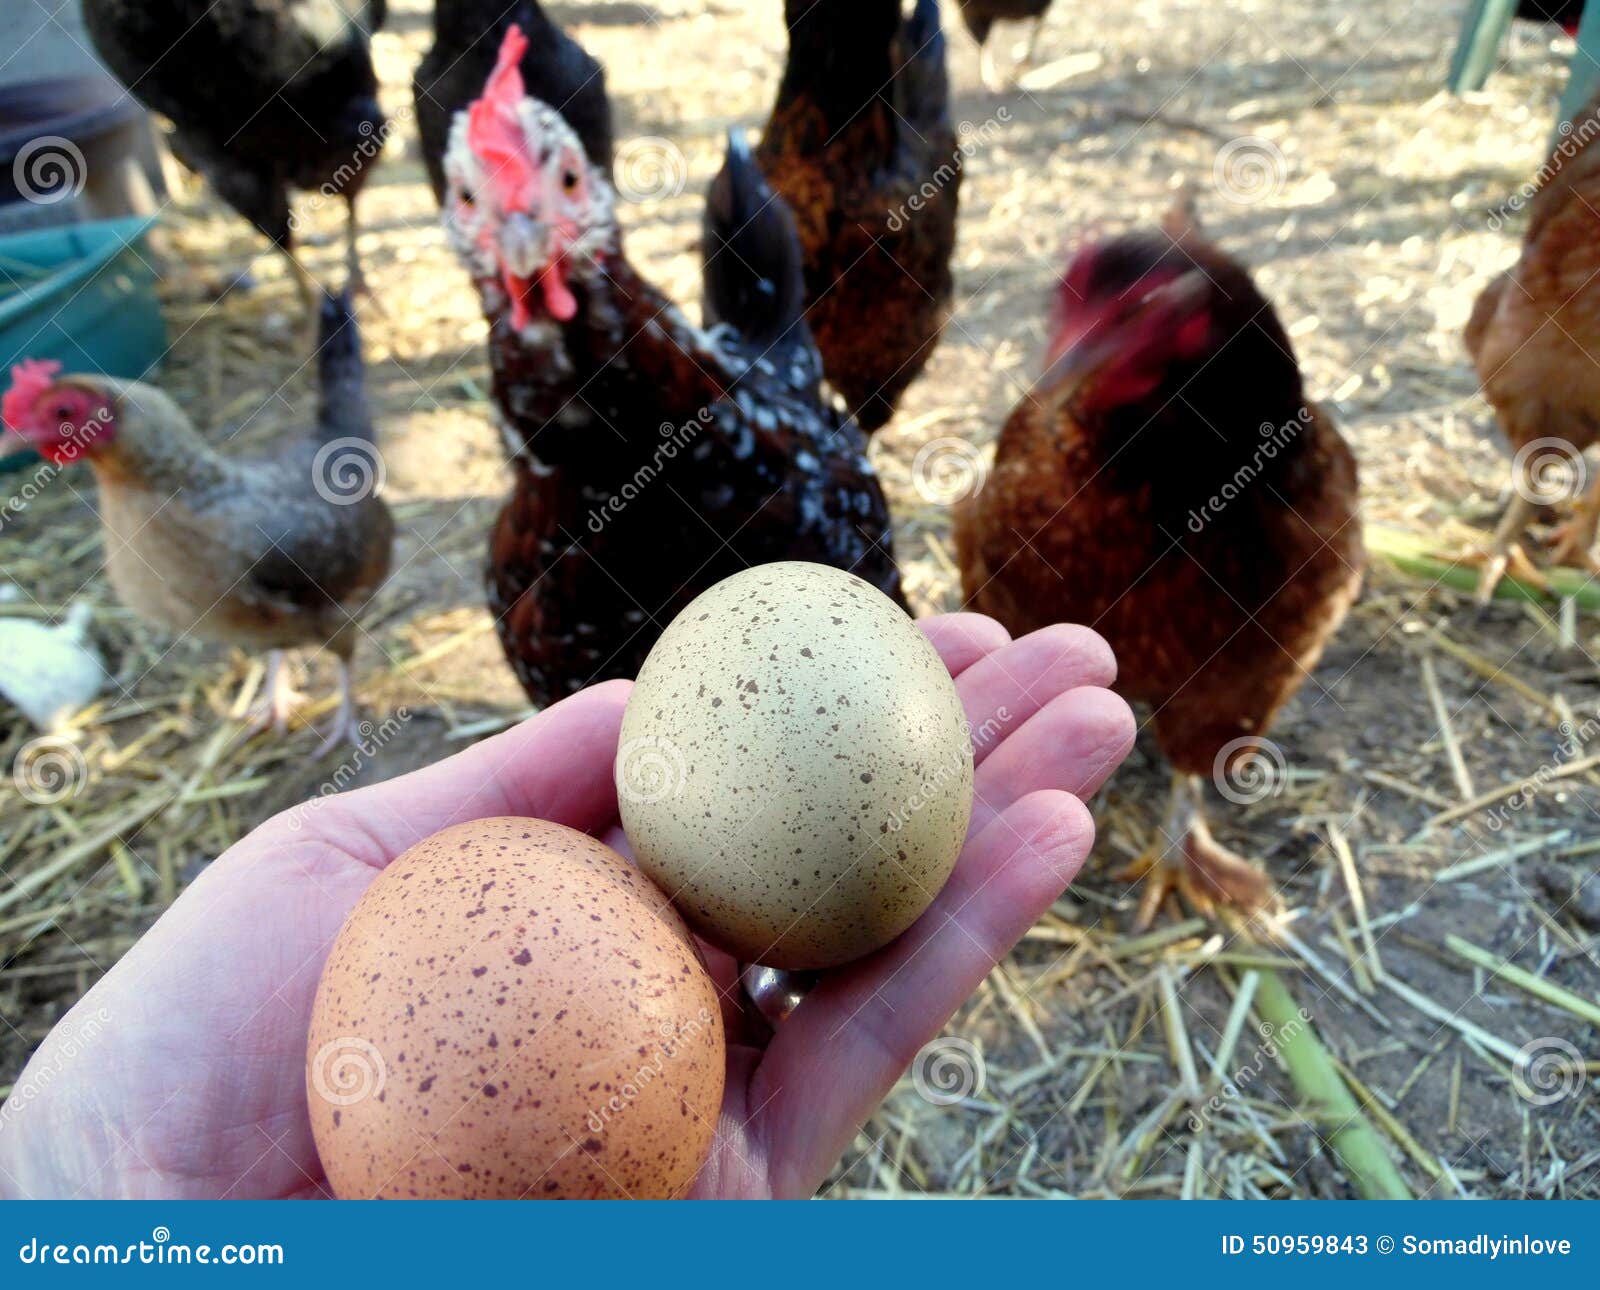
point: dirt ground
(1366, 199)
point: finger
(962, 639)
(1006, 687)
(1072, 744)
(833, 1061)
(556, 766)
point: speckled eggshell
(512, 1010)
(795, 769)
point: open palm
(182, 1072)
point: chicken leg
(1186, 859)
(277, 702)
(1575, 544)
(1504, 547)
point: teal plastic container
(84, 295)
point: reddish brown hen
(1534, 336)
(861, 147)
(1167, 483)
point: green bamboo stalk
(1411, 555)
(1328, 1099)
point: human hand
(182, 1072)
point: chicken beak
(523, 245)
(1082, 360)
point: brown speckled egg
(512, 1010)
(795, 769)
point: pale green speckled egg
(795, 769)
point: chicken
(652, 458)
(980, 17)
(861, 147)
(1565, 14)
(1532, 336)
(1166, 482)
(264, 96)
(267, 554)
(467, 36)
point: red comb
(29, 379)
(493, 131)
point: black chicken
(981, 16)
(861, 147)
(264, 96)
(653, 458)
(556, 69)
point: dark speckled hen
(861, 147)
(1167, 482)
(653, 458)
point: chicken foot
(1574, 544)
(1186, 859)
(271, 713)
(1505, 549)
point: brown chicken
(1533, 336)
(652, 457)
(265, 554)
(861, 147)
(1167, 483)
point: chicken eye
(569, 180)
(468, 197)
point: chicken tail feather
(342, 409)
